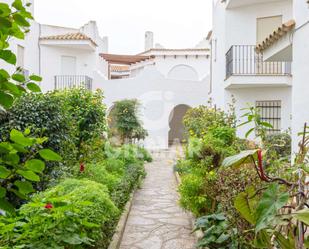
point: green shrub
(88, 114)
(217, 233)
(229, 183)
(132, 158)
(193, 196)
(198, 121)
(121, 171)
(279, 146)
(78, 215)
(46, 115)
(145, 155)
(21, 166)
(125, 122)
(98, 172)
(128, 153)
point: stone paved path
(156, 221)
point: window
(270, 112)
(20, 56)
(266, 26)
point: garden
(63, 183)
(243, 194)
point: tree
(124, 118)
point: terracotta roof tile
(69, 36)
(275, 36)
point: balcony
(242, 60)
(72, 81)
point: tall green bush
(88, 115)
(125, 120)
(198, 121)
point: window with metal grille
(270, 112)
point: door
(68, 65)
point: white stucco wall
(198, 64)
(31, 50)
(158, 97)
(249, 96)
(51, 63)
(237, 26)
(300, 70)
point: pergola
(123, 59)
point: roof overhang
(70, 44)
(125, 59)
(282, 50)
(278, 45)
(177, 52)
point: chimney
(148, 40)
(105, 44)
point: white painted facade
(171, 78)
(158, 96)
(45, 57)
(295, 45)
(181, 64)
(236, 70)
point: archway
(183, 72)
(177, 133)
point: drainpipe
(39, 45)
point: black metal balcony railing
(72, 81)
(244, 60)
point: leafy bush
(132, 159)
(216, 232)
(46, 116)
(125, 120)
(193, 194)
(279, 146)
(74, 214)
(198, 121)
(98, 172)
(203, 157)
(21, 166)
(88, 115)
(229, 184)
(121, 171)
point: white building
(238, 71)
(62, 56)
(166, 82)
(290, 42)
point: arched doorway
(177, 133)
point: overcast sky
(175, 23)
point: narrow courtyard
(156, 221)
